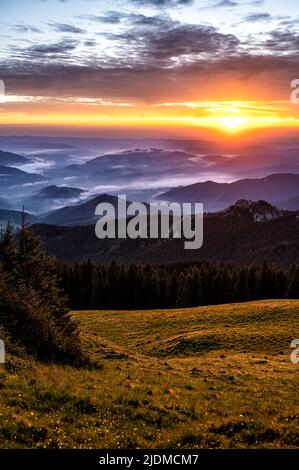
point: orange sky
(178, 65)
(230, 116)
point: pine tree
(293, 287)
(32, 308)
(265, 287)
(242, 287)
(185, 291)
(8, 252)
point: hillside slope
(263, 327)
(208, 377)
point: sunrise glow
(181, 68)
(232, 122)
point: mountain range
(15, 218)
(11, 177)
(80, 214)
(250, 194)
(279, 189)
(56, 180)
(246, 232)
(11, 159)
(62, 192)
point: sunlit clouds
(175, 63)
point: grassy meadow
(206, 377)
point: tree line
(146, 286)
(34, 313)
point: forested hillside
(133, 286)
(244, 233)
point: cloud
(159, 22)
(151, 58)
(111, 17)
(22, 28)
(130, 19)
(158, 41)
(234, 3)
(162, 3)
(225, 3)
(37, 51)
(283, 41)
(66, 28)
(288, 21)
(90, 43)
(149, 82)
(256, 17)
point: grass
(207, 377)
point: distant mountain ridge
(246, 232)
(15, 217)
(129, 166)
(11, 159)
(216, 196)
(10, 176)
(59, 192)
(80, 214)
(50, 198)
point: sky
(144, 65)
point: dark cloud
(178, 3)
(157, 41)
(160, 22)
(110, 17)
(131, 19)
(234, 3)
(150, 83)
(283, 41)
(151, 58)
(288, 21)
(225, 3)
(22, 28)
(39, 51)
(162, 3)
(90, 43)
(66, 28)
(256, 17)
(188, 40)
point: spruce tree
(33, 308)
(293, 287)
(8, 252)
(242, 286)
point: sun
(232, 122)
